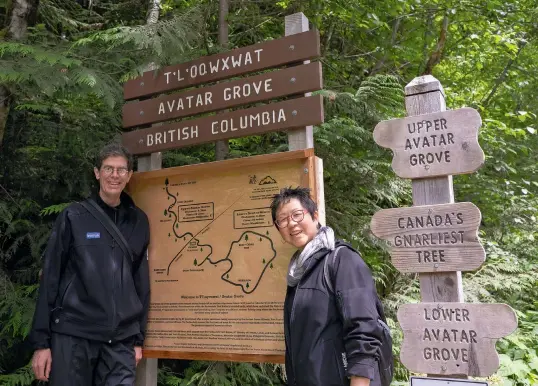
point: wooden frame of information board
(164, 115)
(305, 164)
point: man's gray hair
(114, 149)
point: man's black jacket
(88, 288)
(333, 335)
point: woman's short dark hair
(114, 149)
(286, 194)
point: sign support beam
(303, 138)
(425, 95)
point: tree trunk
(22, 14)
(222, 148)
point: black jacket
(88, 288)
(331, 336)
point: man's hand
(138, 354)
(41, 364)
(359, 381)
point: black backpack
(384, 357)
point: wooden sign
(430, 145)
(418, 381)
(432, 238)
(293, 80)
(453, 338)
(218, 264)
(257, 120)
(291, 49)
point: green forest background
(62, 64)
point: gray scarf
(296, 270)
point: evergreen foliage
(65, 84)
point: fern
(22, 377)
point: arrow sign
(432, 238)
(454, 338)
(433, 145)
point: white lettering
(265, 118)
(214, 68)
(281, 116)
(203, 69)
(193, 72)
(161, 108)
(208, 96)
(237, 63)
(268, 85)
(258, 52)
(227, 94)
(158, 138)
(225, 65)
(167, 74)
(248, 59)
(214, 125)
(171, 107)
(149, 140)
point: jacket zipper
(291, 323)
(114, 280)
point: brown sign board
(431, 145)
(217, 263)
(432, 238)
(419, 381)
(291, 49)
(275, 84)
(240, 123)
(453, 338)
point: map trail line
(232, 264)
(188, 233)
(193, 237)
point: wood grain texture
(302, 138)
(425, 95)
(210, 167)
(435, 144)
(454, 338)
(276, 84)
(432, 238)
(239, 123)
(274, 53)
(209, 356)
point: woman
(332, 331)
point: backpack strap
(328, 272)
(105, 221)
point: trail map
(217, 263)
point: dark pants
(83, 362)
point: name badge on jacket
(93, 235)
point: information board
(217, 264)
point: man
(91, 311)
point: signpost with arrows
(437, 238)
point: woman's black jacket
(333, 335)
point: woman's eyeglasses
(297, 216)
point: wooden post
(425, 95)
(147, 369)
(303, 138)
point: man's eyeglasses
(297, 216)
(108, 170)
